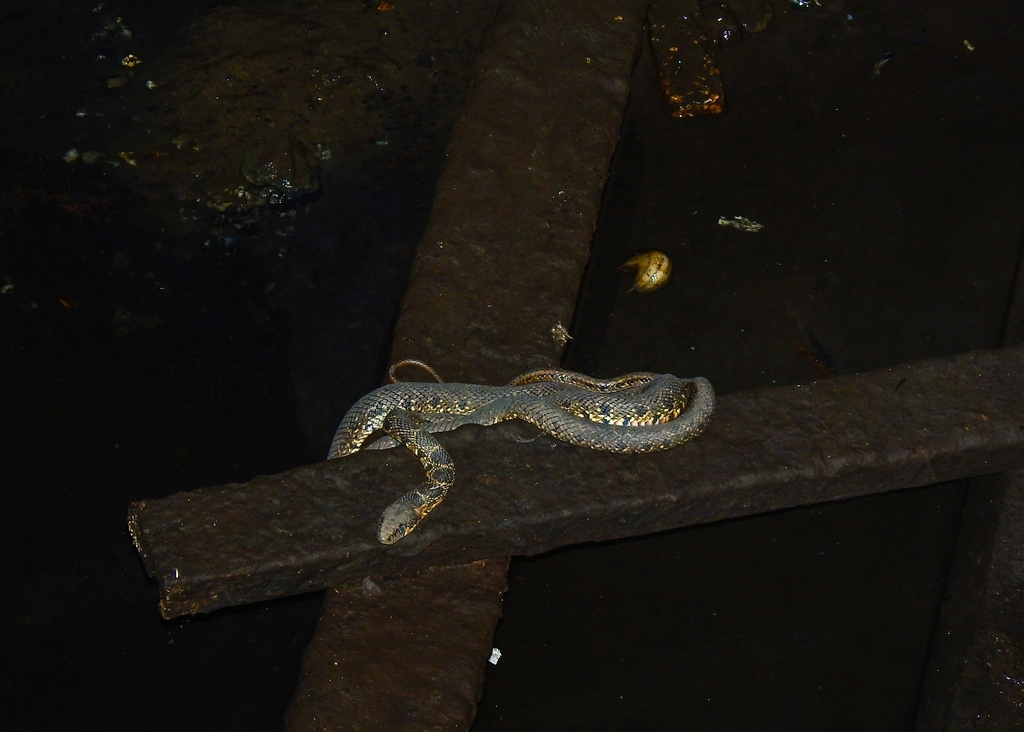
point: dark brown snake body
(635, 413)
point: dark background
(143, 355)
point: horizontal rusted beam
(518, 492)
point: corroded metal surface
(516, 206)
(522, 493)
(401, 654)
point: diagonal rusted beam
(520, 493)
(515, 211)
(393, 654)
(498, 267)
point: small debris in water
(495, 657)
(560, 335)
(816, 359)
(876, 71)
(740, 222)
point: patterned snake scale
(635, 413)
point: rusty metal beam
(499, 265)
(516, 207)
(401, 654)
(522, 493)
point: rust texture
(975, 674)
(516, 206)
(518, 492)
(401, 654)
(498, 268)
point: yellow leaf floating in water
(653, 270)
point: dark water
(150, 348)
(128, 375)
(893, 212)
(133, 374)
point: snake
(639, 412)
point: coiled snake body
(635, 413)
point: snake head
(391, 529)
(400, 518)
